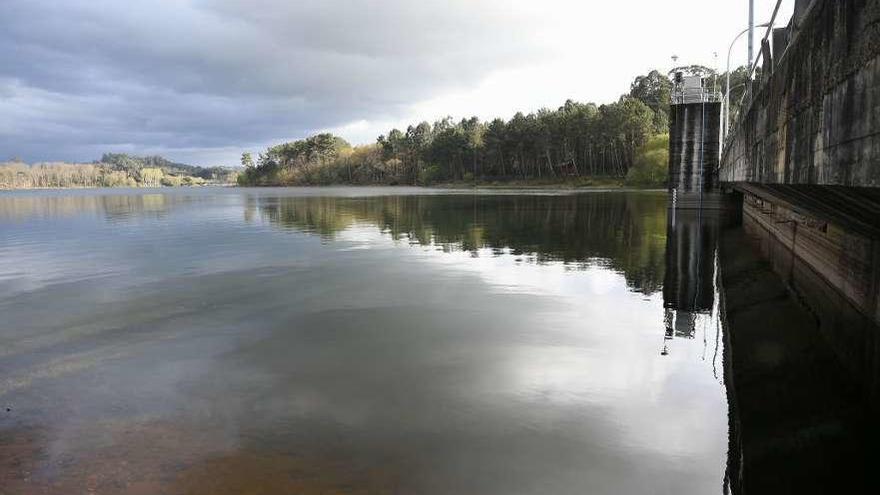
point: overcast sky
(200, 81)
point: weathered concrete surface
(854, 338)
(694, 146)
(694, 154)
(831, 229)
(816, 120)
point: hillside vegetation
(113, 170)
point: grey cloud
(84, 76)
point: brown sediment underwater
(152, 458)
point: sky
(201, 81)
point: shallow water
(350, 340)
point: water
(226, 341)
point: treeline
(18, 175)
(113, 170)
(576, 140)
(624, 140)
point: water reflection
(800, 421)
(799, 403)
(692, 295)
(625, 232)
(111, 204)
(689, 288)
(341, 341)
(264, 341)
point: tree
(739, 81)
(694, 70)
(247, 161)
(151, 177)
(494, 141)
(473, 134)
(651, 165)
(654, 90)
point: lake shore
(583, 183)
(576, 183)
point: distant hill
(129, 163)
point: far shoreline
(584, 184)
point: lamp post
(727, 90)
(751, 31)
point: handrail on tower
(693, 89)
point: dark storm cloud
(84, 76)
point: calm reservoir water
(231, 341)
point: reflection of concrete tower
(691, 240)
(689, 286)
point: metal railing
(765, 39)
(695, 95)
(745, 101)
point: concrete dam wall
(814, 116)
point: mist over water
(350, 340)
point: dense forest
(113, 170)
(623, 141)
